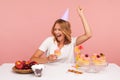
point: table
(59, 71)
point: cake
(94, 59)
(78, 49)
(57, 52)
(99, 59)
(86, 59)
(90, 63)
(82, 60)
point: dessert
(89, 63)
(74, 71)
(78, 49)
(57, 52)
(82, 60)
(99, 59)
(86, 59)
(78, 58)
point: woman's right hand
(80, 10)
(52, 58)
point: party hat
(66, 15)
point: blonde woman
(60, 46)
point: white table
(58, 71)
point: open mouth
(58, 35)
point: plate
(93, 68)
(22, 71)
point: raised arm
(87, 31)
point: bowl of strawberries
(23, 67)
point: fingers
(79, 9)
(52, 58)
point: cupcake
(82, 60)
(86, 59)
(99, 59)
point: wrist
(81, 14)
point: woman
(60, 46)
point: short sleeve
(45, 44)
(74, 40)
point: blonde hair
(65, 28)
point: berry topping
(86, 55)
(98, 56)
(101, 54)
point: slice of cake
(57, 52)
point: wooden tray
(22, 71)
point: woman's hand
(80, 11)
(52, 58)
(87, 31)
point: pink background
(24, 24)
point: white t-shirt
(67, 51)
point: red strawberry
(80, 47)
